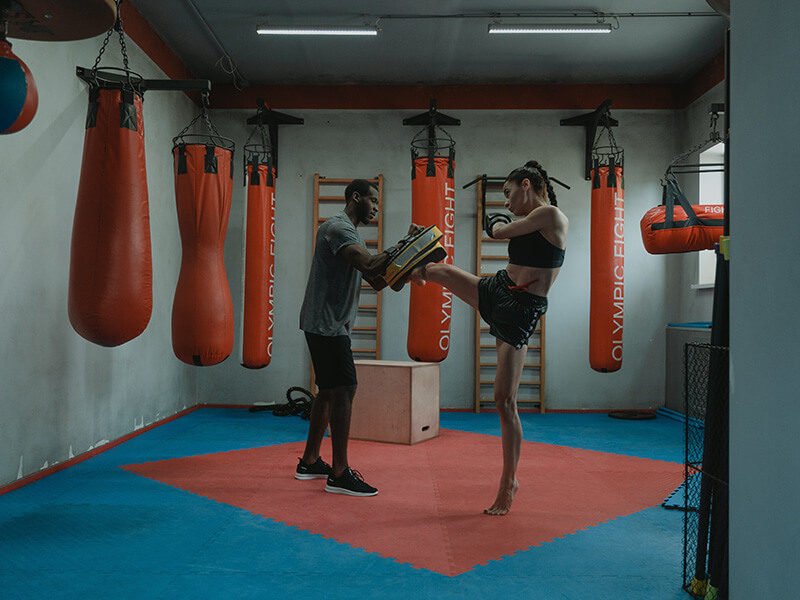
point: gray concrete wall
(365, 143)
(61, 395)
(695, 304)
(765, 286)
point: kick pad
(422, 249)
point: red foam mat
(429, 509)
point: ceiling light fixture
(318, 30)
(554, 28)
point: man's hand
(415, 229)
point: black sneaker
(319, 470)
(350, 483)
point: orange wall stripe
(417, 97)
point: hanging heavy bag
(110, 277)
(430, 307)
(202, 311)
(258, 275)
(606, 308)
(677, 226)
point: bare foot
(418, 275)
(505, 496)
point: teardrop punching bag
(259, 263)
(202, 311)
(19, 97)
(432, 203)
(607, 267)
(111, 272)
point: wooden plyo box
(396, 401)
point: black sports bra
(533, 250)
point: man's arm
(372, 265)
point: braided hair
(534, 172)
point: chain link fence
(705, 550)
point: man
(329, 309)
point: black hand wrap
(490, 220)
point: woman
(513, 300)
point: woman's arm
(548, 218)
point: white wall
(765, 286)
(365, 143)
(61, 395)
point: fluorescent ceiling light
(560, 28)
(317, 30)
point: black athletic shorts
(512, 315)
(332, 359)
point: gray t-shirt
(331, 301)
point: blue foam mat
(95, 530)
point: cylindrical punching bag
(432, 203)
(258, 298)
(607, 267)
(111, 272)
(202, 311)
(19, 98)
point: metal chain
(122, 37)
(264, 137)
(102, 49)
(713, 138)
(612, 141)
(204, 115)
(423, 134)
(118, 28)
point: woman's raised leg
(460, 282)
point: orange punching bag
(432, 203)
(111, 271)
(259, 262)
(607, 267)
(202, 311)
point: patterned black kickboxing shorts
(512, 315)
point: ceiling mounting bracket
(116, 80)
(600, 117)
(272, 118)
(431, 119)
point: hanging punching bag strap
(94, 107)
(210, 162)
(127, 111)
(182, 167)
(451, 163)
(673, 192)
(611, 181)
(596, 174)
(255, 176)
